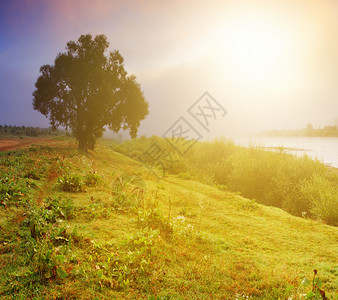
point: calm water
(323, 148)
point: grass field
(100, 226)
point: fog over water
(324, 149)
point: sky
(269, 64)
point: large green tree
(87, 89)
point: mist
(270, 65)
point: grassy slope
(235, 248)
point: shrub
(149, 214)
(71, 183)
(273, 178)
(323, 197)
(12, 191)
(61, 208)
(91, 178)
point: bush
(61, 208)
(91, 178)
(71, 183)
(272, 178)
(323, 197)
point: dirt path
(11, 144)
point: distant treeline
(327, 131)
(22, 131)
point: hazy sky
(270, 64)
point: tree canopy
(87, 89)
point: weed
(44, 245)
(60, 207)
(92, 178)
(71, 183)
(316, 292)
(33, 174)
(250, 205)
(149, 214)
(125, 197)
(141, 259)
(12, 191)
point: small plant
(221, 187)
(43, 247)
(185, 175)
(250, 205)
(132, 264)
(61, 208)
(71, 183)
(42, 220)
(33, 174)
(316, 293)
(97, 209)
(123, 197)
(12, 191)
(92, 178)
(139, 261)
(149, 214)
(182, 229)
(49, 262)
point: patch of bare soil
(11, 144)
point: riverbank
(327, 131)
(101, 225)
(297, 184)
(325, 149)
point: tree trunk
(91, 142)
(83, 144)
(91, 145)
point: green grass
(127, 235)
(299, 185)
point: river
(324, 149)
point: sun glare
(255, 50)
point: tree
(87, 89)
(309, 127)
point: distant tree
(87, 89)
(309, 127)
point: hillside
(100, 226)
